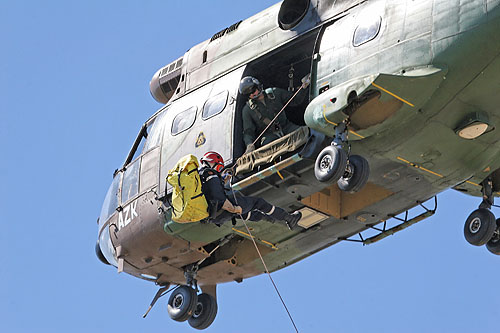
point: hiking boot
(292, 219)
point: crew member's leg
(255, 215)
(259, 207)
(222, 218)
(268, 138)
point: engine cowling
(165, 81)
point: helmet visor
(248, 89)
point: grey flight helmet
(248, 84)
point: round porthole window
(291, 13)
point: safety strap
(196, 196)
(255, 108)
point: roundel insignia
(201, 140)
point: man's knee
(263, 206)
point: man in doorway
(262, 106)
(224, 206)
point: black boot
(292, 219)
(280, 215)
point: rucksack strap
(197, 196)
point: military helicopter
(403, 104)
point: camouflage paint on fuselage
(430, 64)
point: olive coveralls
(257, 115)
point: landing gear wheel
(330, 164)
(204, 313)
(182, 303)
(355, 175)
(479, 227)
(494, 244)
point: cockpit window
(130, 185)
(184, 120)
(155, 134)
(214, 105)
(139, 143)
(111, 200)
(367, 30)
(149, 137)
(140, 147)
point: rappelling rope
(248, 229)
(265, 266)
(275, 117)
(272, 121)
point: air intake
(165, 81)
(292, 12)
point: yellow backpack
(188, 202)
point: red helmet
(214, 157)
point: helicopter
(402, 106)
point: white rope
(265, 266)
(277, 115)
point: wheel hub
(326, 163)
(178, 300)
(349, 172)
(496, 236)
(198, 310)
(475, 225)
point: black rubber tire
(356, 175)
(330, 164)
(204, 313)
(493, 244)
(181, 303)
(479, 227)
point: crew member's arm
(231, 208)
(285, 95)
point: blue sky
(73, 94)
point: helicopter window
(139, 143)
(367, 31)
(184, 120)
(130, 185)
(111, 199)
(214, 105)
(140, 147)
(156, 132)
(107, 247)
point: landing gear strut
(481, 227)
(334, 165)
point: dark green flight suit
(257, 115)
